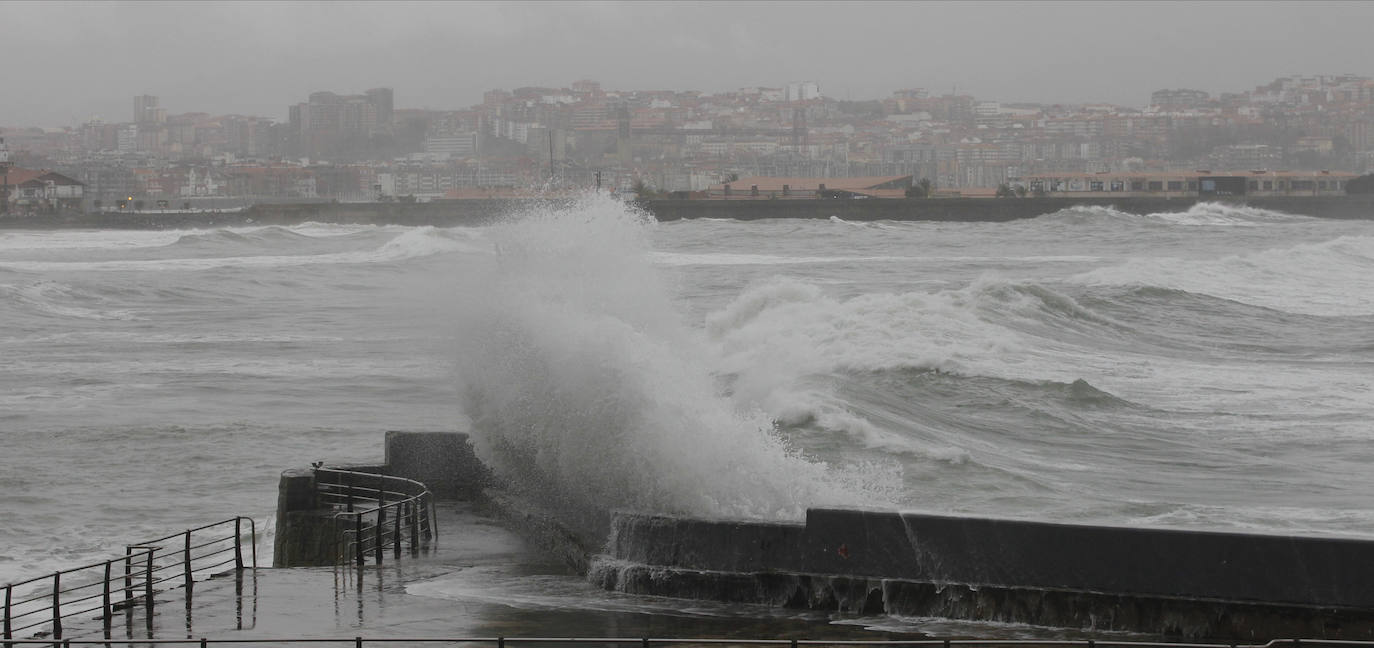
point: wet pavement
(478, 580)
(481, 581)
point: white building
(803, 91)
(127, 139)
(454, 146)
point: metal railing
(121, 583)
(374, 512)
(645, 642)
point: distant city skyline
(257, 58)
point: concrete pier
(1233, 587)
(308, 530)
(477, 212)
(1170, 582)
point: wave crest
(586, 389)
(1202, 214)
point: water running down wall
(1170, 582)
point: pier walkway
(478, 580)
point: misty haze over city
(250, 101)
(255, 58)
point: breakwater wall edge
(475, 212)
(1194, 584)
(307, 529)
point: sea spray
(1203, 214)
(587, 390)
(1328, 278)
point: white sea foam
(780, 335)
(1334, 277)
(61, 300)
(1213, 214)
(583, 381)
(795, 323)
(407, 244)
(1202, 214)
(86, 239)
(713, 259)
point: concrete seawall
(1195, 584)
(992, 209)
(474, 212)
(307, 530)
(1160, 581)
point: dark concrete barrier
(1234, 586)
(1175, 582)
(1316, 572)
(563, 536)
(474, 212)
(991, 209)
(717, 545)
(307, 530)
(442, 461)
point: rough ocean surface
(1209, 369)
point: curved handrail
(363, 502)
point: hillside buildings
(355, 147)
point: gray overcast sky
(67, 62)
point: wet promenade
(479, 580)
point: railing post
(57, 605)
(414, 527)
(105, 612)
(433, 515)
(425, 522)
(396, 532)
(238, 544)
(148, 583)
(357, 642)
(128, 574)
(186, 557)
(9, 631)
(348, 497)
(377, 531)
(358, 537)
(253, 538)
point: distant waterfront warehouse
(1160, 184)
(1187, 183)
(764, 188)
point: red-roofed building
(40, 191)
(764, 188)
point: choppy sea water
(1206, 369)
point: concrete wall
(307, 533)
(480, 212)
(1318, 572)
(442, 461)
(988, 209)
(1191, 583)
